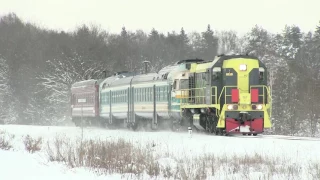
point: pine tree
(210, 44)
(184, 46)
(156, 50)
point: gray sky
(167, 15)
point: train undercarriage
(196, 119)
(208, 122)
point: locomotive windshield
(184, 83)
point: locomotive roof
(222, 58)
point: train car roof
(90, 82)
(117, 80)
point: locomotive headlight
(230, 107)
(259, 106)
(243, 67)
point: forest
(38, 66)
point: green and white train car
(147, 99)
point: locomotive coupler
(244, 116)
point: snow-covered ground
(298, 153)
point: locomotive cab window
(216, 73)
(175, 85)
(184, 83)
(261, 74)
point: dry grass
(5, 140)
(110, 157)
(123, 157)
(32, 145)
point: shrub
(32, 145)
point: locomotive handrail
(225, 93)
(263, 92)
(269, 97)
(197, 95)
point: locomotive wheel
(255, 134)
(211, 124)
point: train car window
(156, 94)
(137, 91)
(175, 85)
(112, 97)
(166, 93)
(124, 95)
(161, 93)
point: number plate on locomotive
(244, 129)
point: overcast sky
(167, 15)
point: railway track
(259, 136)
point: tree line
(38, 66)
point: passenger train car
(85, 101)
(134, 100)
(224, 96)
